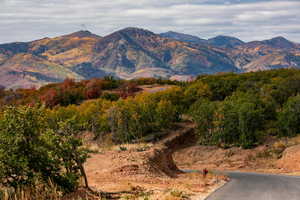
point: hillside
(148, 132)
(133, 52)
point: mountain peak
(82, 33)
(182, 37)
(225, 41)
(172, 32)
(136, 31)
(279, 38)
(224, 37)
(280, 42)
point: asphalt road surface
(253, 186)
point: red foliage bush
(50, 98)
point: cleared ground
(149, 171)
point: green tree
(165, 114)
(250, 123)
(203, 114)
(31, 151)
(135, 118)
(237, 120)
(196, 91)
(242, 120)
(289, 117)
(93, 116)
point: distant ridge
(225, 41)
(183, 37)
(219, 41)
(134, 52)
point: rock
(291, 159)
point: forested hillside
(40, 128)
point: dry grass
(177, 195)
(99, 148)
(38, 192)
(277, 148)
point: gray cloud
(25, 20)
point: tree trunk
(84, 175)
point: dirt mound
(158, 160)
(290, 159)
(160, 157)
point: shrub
(32, 152)
(110, 96)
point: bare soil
(290, 159)
(149, 170)
(279, 156)
(155, 88)
(154, 171)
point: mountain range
(133, 52)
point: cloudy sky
(25, 20)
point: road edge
(219, 186)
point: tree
(2, 91)
(31, 152)
(250, 123)
(165, 114)
(93, 89)
(50, 98)
(203, 112)
(289, 117)
(237, 120)
(134, 118)
(196, 91)
(128, 89)
(242, 119)
(93, 116)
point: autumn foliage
(40, 127)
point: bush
(32, 152)
(110, 96)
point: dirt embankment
(150, 167)
(276, 156)
(290, 159)
(160, 157)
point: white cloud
(251, 19)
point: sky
(26, 20)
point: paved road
(252, 186)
